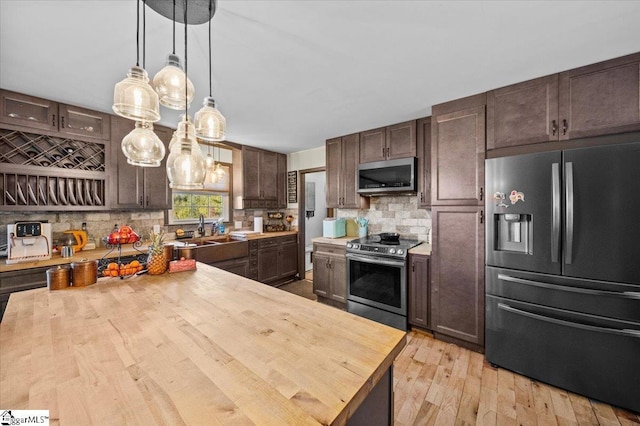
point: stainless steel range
(377, 278)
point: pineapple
(157, 261)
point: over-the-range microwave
(390, 177)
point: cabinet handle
(481, 193)
(383, 152)
(422, 196)
(53, 119)
(141, 204)
(147, 201)
(481, 216)
(564, 127)
(554, 127)
(62, 119)
(413, 266)
(387, 152)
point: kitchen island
(197, 347)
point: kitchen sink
(216, 249)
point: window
(213, 202)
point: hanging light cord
(186, 86)
(210, 74)
(174, 26)
(144, 33)
(138, 33)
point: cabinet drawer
(267, 242)
(23, 280)
(329, 248)
(289, 239)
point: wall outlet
(156, 229)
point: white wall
(313, 225)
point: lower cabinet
(277, 259)
(330, 274)
(419, 297)
(235, 266)
(14, 281)
(457, 283)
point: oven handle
(376, 260)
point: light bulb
(209, 122)
(169, 84)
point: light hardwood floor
(443, 384)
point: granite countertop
(188, 348)
(99, 253)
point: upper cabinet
(258, 179)
(594, 100)
(458, 152)
(38, 114)
(282, 181)
(388, 143)
(424, 162)
(134, 187)
(342, 173)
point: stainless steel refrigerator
(563, 269)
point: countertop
(194, 347)
(422, 249)
(99, 253)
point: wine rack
(56, 173)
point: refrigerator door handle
(568, 178)
(623, 295)
(624, 332)
(555, 222)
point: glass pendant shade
(169, 84)
(210, 123)
(134, 98)
(185, 164)
(211, 176)
(142, 146)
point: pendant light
(142, 147)
(210, 123)
(211, 176)
(169, 82)
(185, 164)
(133, 97)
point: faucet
(201, 225)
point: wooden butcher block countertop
(196, 347)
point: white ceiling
(290, 74)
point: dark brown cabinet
(134, 187)
(14, 281)
(277, 259)
(388, 143)
(424, 162)
(594, 100)
(258, 178)
(458, 152)
(330, 274)
(282, 181)
(419, 297)
(54, 118)
(342, 173)
(457, 268)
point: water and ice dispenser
(513, 232)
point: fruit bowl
(113, 269)
(123, 235)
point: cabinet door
(28, 111)
(83, 122)
(338, 272)
(268, 269)
(125, 182)
(251, 172)
(419, 291)
(373, 145)
(288, 260)
(601, 99)
(321, 275)
(268, 177)
(523, 113)
(458, 151)
(349, 175)
(457, 293)
(333, 195)
(157, 194)
(401, 140)
(424, 161)
(282, 181)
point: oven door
(377, 282)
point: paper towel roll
(257, 224)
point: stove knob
(356, 246)
(400, 251)
(392, 251)
(349, 245)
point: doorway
(312, 210)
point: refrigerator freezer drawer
(612, 300)
(593, 356)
